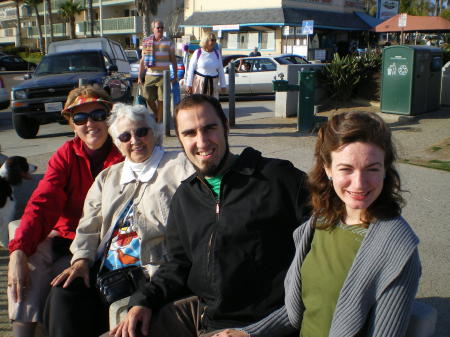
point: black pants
(75, 311)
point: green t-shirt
(323, 274)
(214, 184)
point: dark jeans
(75, 311)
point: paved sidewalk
(428, 196)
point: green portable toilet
(411, 79)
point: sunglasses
(139, 132)
(160, 27)
(81, 118)
(212, 40)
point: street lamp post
(101, 17)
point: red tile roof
(414, 24)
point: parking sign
(402, 20)
(307, 27)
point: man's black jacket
(233, 253)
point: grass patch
(436, 148)
(434, 164)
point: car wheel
(25, 127)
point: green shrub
(34, 57)
(12, 50)
(345, 75)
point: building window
(268, 40)
(248, 40)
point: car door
(262, 73)
(20, 64)
(241, 79)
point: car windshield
(291, 59)
(132, 56)
(67, 63)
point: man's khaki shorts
(153, 87)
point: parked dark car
(292, 59)
(40, 99)
(228, 58)
(4, 95)
(10, 62)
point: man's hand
(188, 90)
(80, 268)
(18, 274)
(231, 333)
(128, 326)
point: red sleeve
(45, 205)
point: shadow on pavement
(442, 305)
(54, 135)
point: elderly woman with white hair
(123, 225)
(205, 72)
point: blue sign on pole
(307, 27)
(134, 39)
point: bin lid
(430, 48)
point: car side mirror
(112, 68)
(27, 76)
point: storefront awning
(277, 17)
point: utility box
(286, 102)
(445, 85)
(411, 79)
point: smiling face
(203, 137)
(357, 171)
(137, 149)
(93, 134)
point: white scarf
(144, 171)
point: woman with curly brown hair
(356, 267)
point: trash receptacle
(445, 85)
(411, 79)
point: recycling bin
(411, 79)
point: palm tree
(68, 10)
(90, 15)
(415, 7)
(50, 19)
(34, 4)
(144, 8)
(18, 24)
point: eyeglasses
(81, 118)
(160, 27)
(139, 132)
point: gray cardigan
(377, 295)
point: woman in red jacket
(40, 248)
